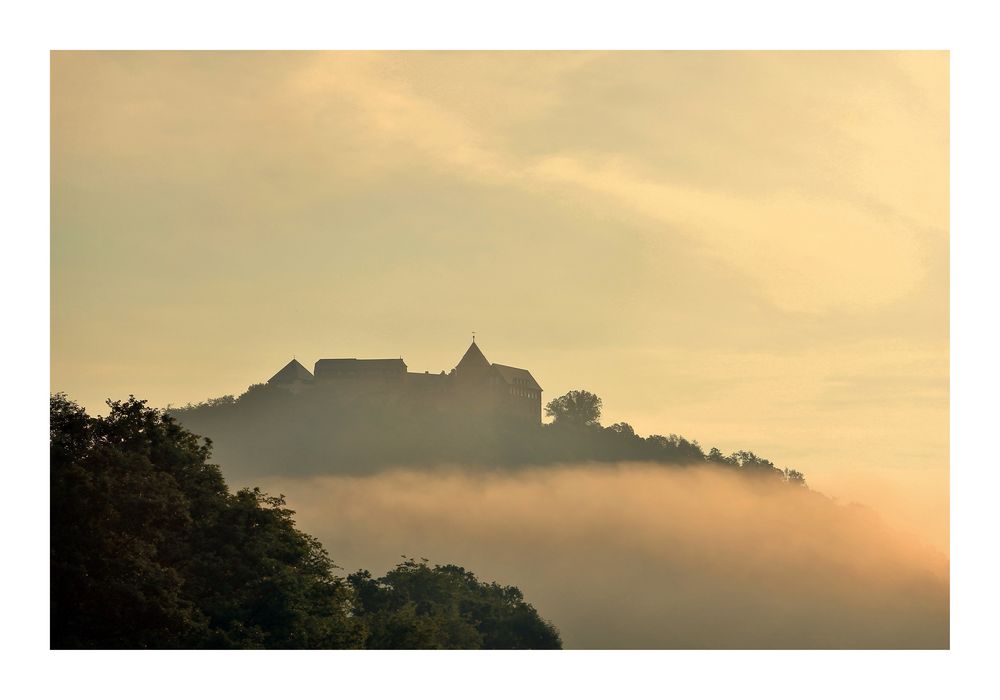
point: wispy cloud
(804, 251)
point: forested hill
(269, 430)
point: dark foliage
(577, 407)
(149, 549)
(416, 606)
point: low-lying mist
(640, 556)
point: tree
(715, 456)
(577, 407)
(752, 465)
(794, 477)
(417, 606)
(150, 550)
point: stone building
(475, 386)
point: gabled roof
(523, 376)
(293, 371)
(473, 359)
(352, 364)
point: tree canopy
(417, 606)
(150, 549)
(577, 407)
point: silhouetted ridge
(359, 416)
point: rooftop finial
(473, 336)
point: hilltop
(350, 418)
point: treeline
(150, 549)
(270, 430)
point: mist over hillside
(632, 555)
(625, 541)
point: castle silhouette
(474, 387)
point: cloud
(805, 251)
(817, 194)
(632, 556)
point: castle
(474, 387)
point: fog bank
(637, 556)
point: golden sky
(749, 249)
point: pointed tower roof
(293, 371)
(473, 359)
